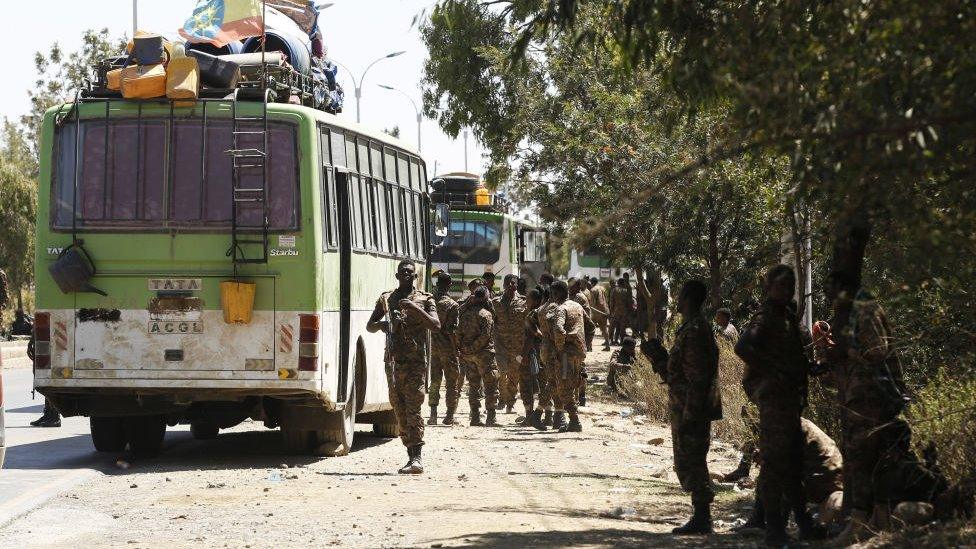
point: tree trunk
(851, 235)
(714, 265)
(654, 327)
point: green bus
(312, 212)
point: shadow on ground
(598, 537)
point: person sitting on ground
(621, 362)
(724, 326)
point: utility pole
(466, 151)
(135, 17)
(358, 84)
(420, 115)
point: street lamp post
(420, 116)
(359, 84)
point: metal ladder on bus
(249, 241)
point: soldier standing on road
(601, 308)
(775, 379)
(579, 292)
(548, 399)
(444, 352)
(510, 311)
(406, 314)
(532, 360)
(475, 329)
(621, 302)
(695, 402)
(568, 331)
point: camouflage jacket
(545, 315)
(447, 313)
(475, 328)
(568, 329)
(780, 369)
(598, 300)
(823, 465)
(693, 371)
(407, 340)
(621, 301)
(871, 356)
(509, 323)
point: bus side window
(406, 220)
(369, 213)
(396, 241)
(355, 214)
(379, 192)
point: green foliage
(944, 413)
(18, 207)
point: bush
(651, 395)
(944, 413)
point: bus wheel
(145, 434)
(388, 428)
(296, 441)
(204, 430)
(108, 434)
(337, 440)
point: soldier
(694, 403)
(548, 399)
(879, 465)
(621, 362)
(510, 311)
(600, 307)
(775, 379)
(823, 467)
(475, 329)
(531, 360)
(621, 302)
(489, 279)
(569, 338)
(406, 314)
(444, 361)
(724, 326)
(578, 293)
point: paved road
(40, 462)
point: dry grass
(651, 396)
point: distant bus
(484, 237)
(171, 201)
(590, 263)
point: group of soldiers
(856, 355)
(533, 345)
(511, 345)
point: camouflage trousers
(482, 370)
(691, 440)
(444, 365)
(568, 383)
(406, 381)
(547, 383)
(508, 376)
(879, 463)
(781, 447)
(602, 322)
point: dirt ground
(510, 486)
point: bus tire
(338, 440)
(204, 430)
(145, 434)
(388, 428)
(108, 434)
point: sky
(357, 32)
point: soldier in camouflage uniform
(548, 399)
(775, 380)
(601, 310)
(579, 292)
(531, 350)
(444, 361)
(569, 338)
(475, 328)
(694, 402)
(509, 339)
(406, 314)
(879, 465)
(621, 303)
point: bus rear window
(124, 181)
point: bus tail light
(308, 343)
(42, 341)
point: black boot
(490, 418)
(776, 535)
(537, 421)
(476, 417)
(699, 523)
(50, 418)
(757, 519)
(547, 420)
(740, 472)
(809, 529)
(449, 417)
(433, 416)
(413, 466)
(574, 425)
(558, 421)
